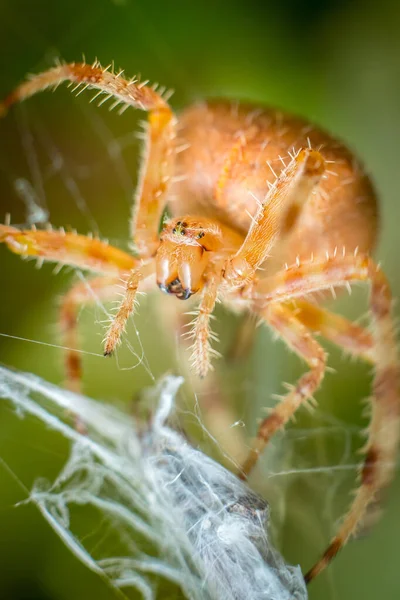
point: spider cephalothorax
(275, 211)
(184, 253)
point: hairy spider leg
(201, 333)
(280, 208)
(296, 335)
(384, 428)
(82, 252)
(159, 154)
(349, 336)
(67, 248)
(118, 324)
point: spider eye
(180, 228)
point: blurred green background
(337, 63)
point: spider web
(62, 183)
(146, 487)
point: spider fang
(176, 288)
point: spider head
(183, 255)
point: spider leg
(276, 215)
(201, 332)
(282, 320)
(116, 329)
(347, 335)
(67, 248)
(84, 253)
(159, 152)
(383, 438)
(82, 293)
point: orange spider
(266, 209)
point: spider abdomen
(231, 153)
